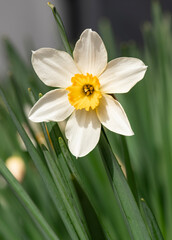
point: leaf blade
(133, 218)
(28, 203)
(43, 171)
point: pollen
(88, 89)
(84, 93)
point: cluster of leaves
(90, 197)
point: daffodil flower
(85, 84)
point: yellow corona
(84, 91)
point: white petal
(53, 106)
(90, 54)
(83, 132)
(112, 116)
(122, 74)
(55, 68)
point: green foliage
(92, 197)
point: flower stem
(61, 28)
(129, 170)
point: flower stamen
(88, 89)
(84, 91)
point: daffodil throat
(84, 91)
(88, 89)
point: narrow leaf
(127, 203)
(42, 170)
(55, 134)
(61, 28)
(91, 176)
(129, 170)
(65, 196)
(4, 231)
(151, 221)
(27, 202)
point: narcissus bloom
(85, 84)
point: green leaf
(38, 160)
(91, 176)
(4, 231)
(61, 28)
(127, 203)
(62, 163)
(68, 158)
(129, 170)
(66, 196)
(20, 104)
(28, 204)
(151, 221)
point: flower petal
(53, 106)
(112, 116)
(122, 74)
(90, 54)
(83, 132)
(55, 68)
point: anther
(88, 89)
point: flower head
(84, 83)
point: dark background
(126, 16)
(30, 25)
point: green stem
(129, 170)
(61, 28)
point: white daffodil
(85, 82)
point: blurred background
(30, 24)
